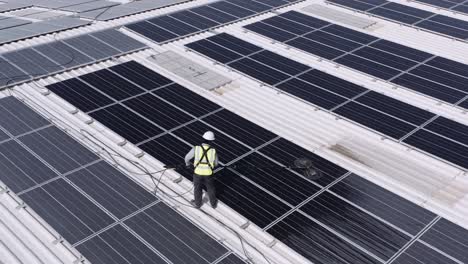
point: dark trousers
(198, 183)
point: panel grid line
(338, 234)
(296, 208)
(402, 72)
(411, 25)
(307, 102)
(413, 240)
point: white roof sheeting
(429, 182)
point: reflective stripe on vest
(204, 160)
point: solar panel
(213, 14)
(83, 7)
(126, 123)
(67, 210)
(195, 20)
(91, 47)
(419, 252)
(22, 169)
(109, 83)
(117, 40)
(118, 245)
(232, 9)
(251, 5)
(60, 55)
(231, 259)
(448, 237)
(454, 5)
(188, 243)
(414, 69)
(108, 13)
(8, 22)
(38, 28)
(183, 23)
(380, 113)
(12, 6)
(391, 207)
(100, 211)
(411, 16)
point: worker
(205, 159)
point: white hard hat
(209, 136)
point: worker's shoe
(214, 205)
(195, 205)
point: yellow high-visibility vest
(204, 160)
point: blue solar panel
(300, 233)
(231, 9)
(396, 108)
(332, 83)
(408, 10)
(251, 5)
(368, 66)
(195, 20)
(262, 72)
(411, 16)
(385, 204)
(378, 121)
(73, 215)
(173, 25)
(126, 123)
(440, 3)
(428, 74)
(213, 14)
(187, 22)
(57, 56)
(448, 237)
(439, 146)
(420, 253)
(454, 5)
(151, 31)
(345, 218)
(270, 31)
(332, 40)
(287, 25)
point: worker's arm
(190, 155)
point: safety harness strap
(205, 156)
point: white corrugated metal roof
(425, 180)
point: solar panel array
(105, 215)
(127, 9)
(339, 218)
(39, 28)
(418, 128)
(453, 5)
(419, 71)
(5, 7)
(70, 5)
(29, 63)
(9, 22)
(186, 22)
(415, 17)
